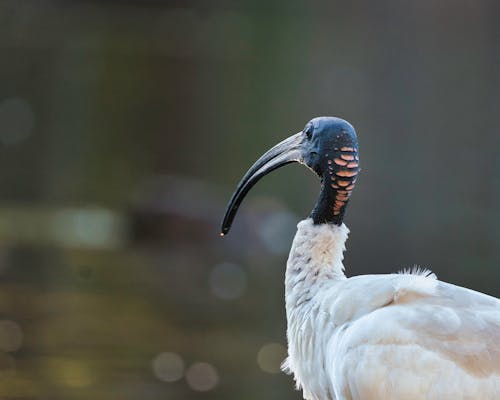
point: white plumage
(375, 337)
(393, 337)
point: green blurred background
(124, 127)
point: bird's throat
(331, 204)
(323, 210)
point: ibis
(402, 336)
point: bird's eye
(308, 130)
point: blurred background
(124, 128)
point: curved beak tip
(283, 153)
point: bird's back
(430, 340)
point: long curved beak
(283, 153)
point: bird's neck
(331, 203)
(315, 260)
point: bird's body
(384, 337)
(373, 337)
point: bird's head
(329, 147)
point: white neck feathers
(315, 258)
(315, 261)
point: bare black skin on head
(326, 145)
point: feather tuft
(418, 271)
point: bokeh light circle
(168, 367)
(276, 232)
(270, 357)
(228, 281)
(202, 377)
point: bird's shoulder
(350, 299)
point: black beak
(283, 153)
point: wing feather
(440, 335)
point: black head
(326, 138)
(326, 145)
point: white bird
(404, 336)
